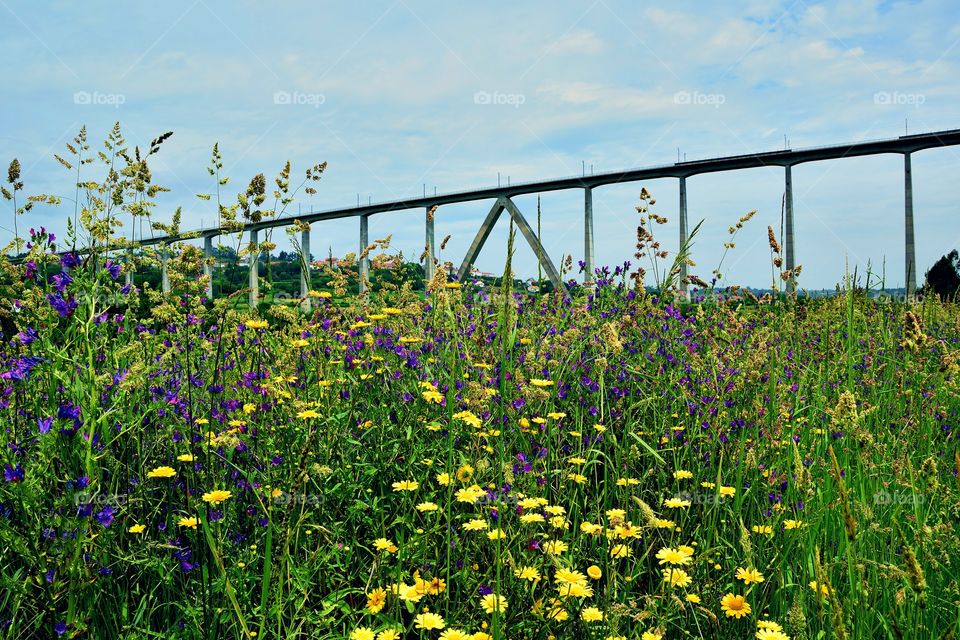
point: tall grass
(800, 454)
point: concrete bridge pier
(305, 269)
(128, 276)
(788, 240)
(910, 257)
(588, 236)
(254, 269)
(364, 261)
(207, 265)
(683, 232)
(164, 271)
(429, 261)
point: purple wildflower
(69, 260)
(105, 516)
(63, 307)
(13, 474)
(112, 268)
(27, 336)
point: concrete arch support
(505, 203)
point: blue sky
(393, 95)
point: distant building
(331, 262)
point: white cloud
(581, 42)
(612, 100)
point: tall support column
(254, 269)
(208, 265)
(428, 264)
(910, 266)
(788, 241)
(128, 276)
(164, 271)
(588, 236)
(305, 268)
(683, 231)
(364, 261)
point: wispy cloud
(580, 42)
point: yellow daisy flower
(735, 606)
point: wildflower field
(468, 463)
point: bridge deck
(784, 158)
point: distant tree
(225, 254)
(943, 278)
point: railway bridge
(502, 196)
